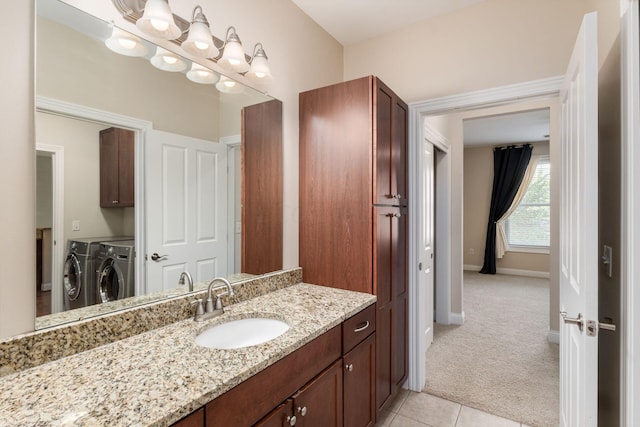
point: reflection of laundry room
(85, 170)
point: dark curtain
(509, 166)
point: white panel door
(426, 240)
(186, 204)
(579, 232)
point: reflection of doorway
(49, 214)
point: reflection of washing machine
(79, 271)
(116, 271)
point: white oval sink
(241, 333)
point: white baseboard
(45, 286)
(511, 271)
(456, 318)
(553, 337)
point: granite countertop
(157, 377)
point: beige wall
(478, 182)
(491, 43)
(17, 218)
(302, 57)
(81, 143)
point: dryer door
(72, 279)
(110, 281)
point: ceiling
(353, 21)
(526, 126)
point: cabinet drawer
(358, 327)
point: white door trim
(543, 88)
(58, 255)
(630, 210)
(69, 109)
(232, 142)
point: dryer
(115, 277)
(79, 271)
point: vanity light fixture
(226, 85)
(168, 61)
(202, 75)
(233, 58)
(157, 20)
(125, 43)
(200, 42)
(154, 18)
(259, 71)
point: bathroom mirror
(201, 160)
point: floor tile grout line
(458, 416)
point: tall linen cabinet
(353, 208)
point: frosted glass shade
(233, 55)
(260, 71)
(226, 85)
(157, 21)
(168, 61)
(125, 43)
(202, 75)
(199, 42)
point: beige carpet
(499, 361)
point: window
(528, 226)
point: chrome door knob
(291, 420)
(302, 410)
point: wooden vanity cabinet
(353, 207)
(117, 170)
(328, 382)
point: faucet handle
(199, 308)
(218, 303)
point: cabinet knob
(349, 367)
(398, 196)
(302, 411)
(291, 420)
(115, 202)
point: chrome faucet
(211, 310)
(189, 280)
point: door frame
(448, 263)
(57, 221)
(630, 210)
(233, 143)
(140, 127)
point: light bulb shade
(168, 61)
(260, 71)
(202, 75)
(233, 55)
(227, 85)
(125, 43)
(157, 20)
(199, 42)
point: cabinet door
(390, 124)
(282, 416)
(319, 403)
(108, 168)
(359, 384)
(391, 288)
(117, 169)
(126, 168)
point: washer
(115, 277)
(79, 271)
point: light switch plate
(75, 225)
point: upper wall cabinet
(117, 168)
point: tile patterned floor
(412, 409)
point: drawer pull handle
(362, 327)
